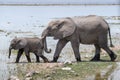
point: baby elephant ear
(65, 29)
(21, 43)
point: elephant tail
(111, 45)
(9, 52)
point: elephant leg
(60, 45)
(27, 54)
(20, 52)
(112, 55)
(97, 53)
(37, 58)
(75, 46)
(44, 58)
(28, 57)
(39, 54)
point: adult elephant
(90, 29)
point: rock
(53, 72)
(66, 68)
(76, 74)
(13, 78)
(28, 78)
(67, 62)
(30, 74)
(52, 65)
(49, 78)
(72, 71)
(47, 75)
(87, 56)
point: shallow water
(60, 2)
(30, 21)
(19, 17)
(115, 75)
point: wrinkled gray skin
(27, 45)
(86, 30)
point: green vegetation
(82, 70)
(79, 71)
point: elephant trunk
(10, 48)
(44, 34)
(45, 46)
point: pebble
(13, 78)
(49, 78)
(66, 68)
(29, 74)
(67, 62)
(28, 78)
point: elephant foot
(95, 59)
(16, 61)
(37, 61)
(113, 57)
(54, 59)
(78, 59)
(29, 61)
(46, 61)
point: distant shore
(55, 4)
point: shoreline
(59, 4)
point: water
(115, 74)
(60, 2)
(30, 21)
(15, 17)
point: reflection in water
(104, 74)
(98, 76)
(5, 68)
(116, 73)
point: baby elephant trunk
(45, 46)
(9, 52)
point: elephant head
(17, 43)
(60, 28)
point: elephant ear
(21, 43)
(65, 28)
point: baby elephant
(27, 45)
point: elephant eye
(15, 42)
